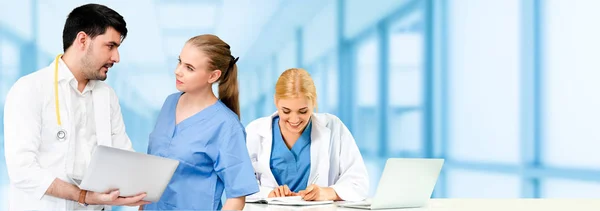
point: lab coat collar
(319, 150)
(101, 98)
(65, 74)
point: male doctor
(55, 117)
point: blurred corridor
(504, 90)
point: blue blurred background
(505, 90)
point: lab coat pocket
(50, 131)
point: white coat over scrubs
(334, 156)
(34, 156)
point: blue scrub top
(291, 167)
(212, 154)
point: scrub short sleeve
(233, 165)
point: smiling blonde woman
(296, 151)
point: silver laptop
(404, 183)
(129, 172)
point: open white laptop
(129, 172)
(404, 183)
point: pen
(314, 181)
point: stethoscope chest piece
(61, 135)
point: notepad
(289, 200)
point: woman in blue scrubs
(203, 132)
(297, 152)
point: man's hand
(113, 198)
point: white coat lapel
(102, 115)
(65, 119)
(319, 152)
(64, 101)
(264, 159)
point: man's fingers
(130, 200)
(142, 202)
(138, 197)
(286, 190)
(134, 204)
(139, 203)
(124, 201)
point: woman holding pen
(297, 152)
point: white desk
(465, 205)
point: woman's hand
(281, 191)
(316, 193)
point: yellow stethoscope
(61, 135)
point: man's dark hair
(94, 20)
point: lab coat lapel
(65, 118)
(319, 152)
(64, 101)
(267, 178)
(65, 114)
(102, 115)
